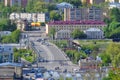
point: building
(63, 34)
(6, 53)
(22, 3)
(92, 1)
(94, 33)
(112, 1)
(114, 5)
(64, 5)
(5, 33)
(34, 17)
(72, 25)
(12, 2)
(92, 13)
(10, 71)
(89, 64)
(95, 13)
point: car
(65, 71)
(32, 71)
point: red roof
(85, 22)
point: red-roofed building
(72, 25)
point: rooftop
(11, 64)
(82, 22)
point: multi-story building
(64, 28)
(35, 17)
(6, 53)
(92, 13)
(22, 3)
(95, 13)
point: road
(55, 56)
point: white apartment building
(61, 26)
(94, 33)
(35, 17)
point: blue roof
(10, 64)
(64, 5)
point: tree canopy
(78, 34)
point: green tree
(55, 15)
(115, 14)
(78, 34)
(52, 33)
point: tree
(52, 33)
(115, 14)
(55, 16)
(78, 34)
(115, 33)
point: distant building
(92, 13)
(22, 3)
(34, 17)
(64, 5)
(12, 2)
(10, 71)
(89, 64)
(6, 53)
(66, 27)
(94, 33)
(63, 34)
(114, 5)
(92, 1)
(5, 33)
(112, 1)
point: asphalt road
(51, 53)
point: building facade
(94, 33)
(34, 17)
(22, 3)
(92, 13)
(6, 53)
(72, 25)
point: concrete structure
(35, 17)
(94, 33)
(6, 53)
(21, 25)
(92, 13)
(72, 25)
(10, 71)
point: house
(94, 33)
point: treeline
(13, 38)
